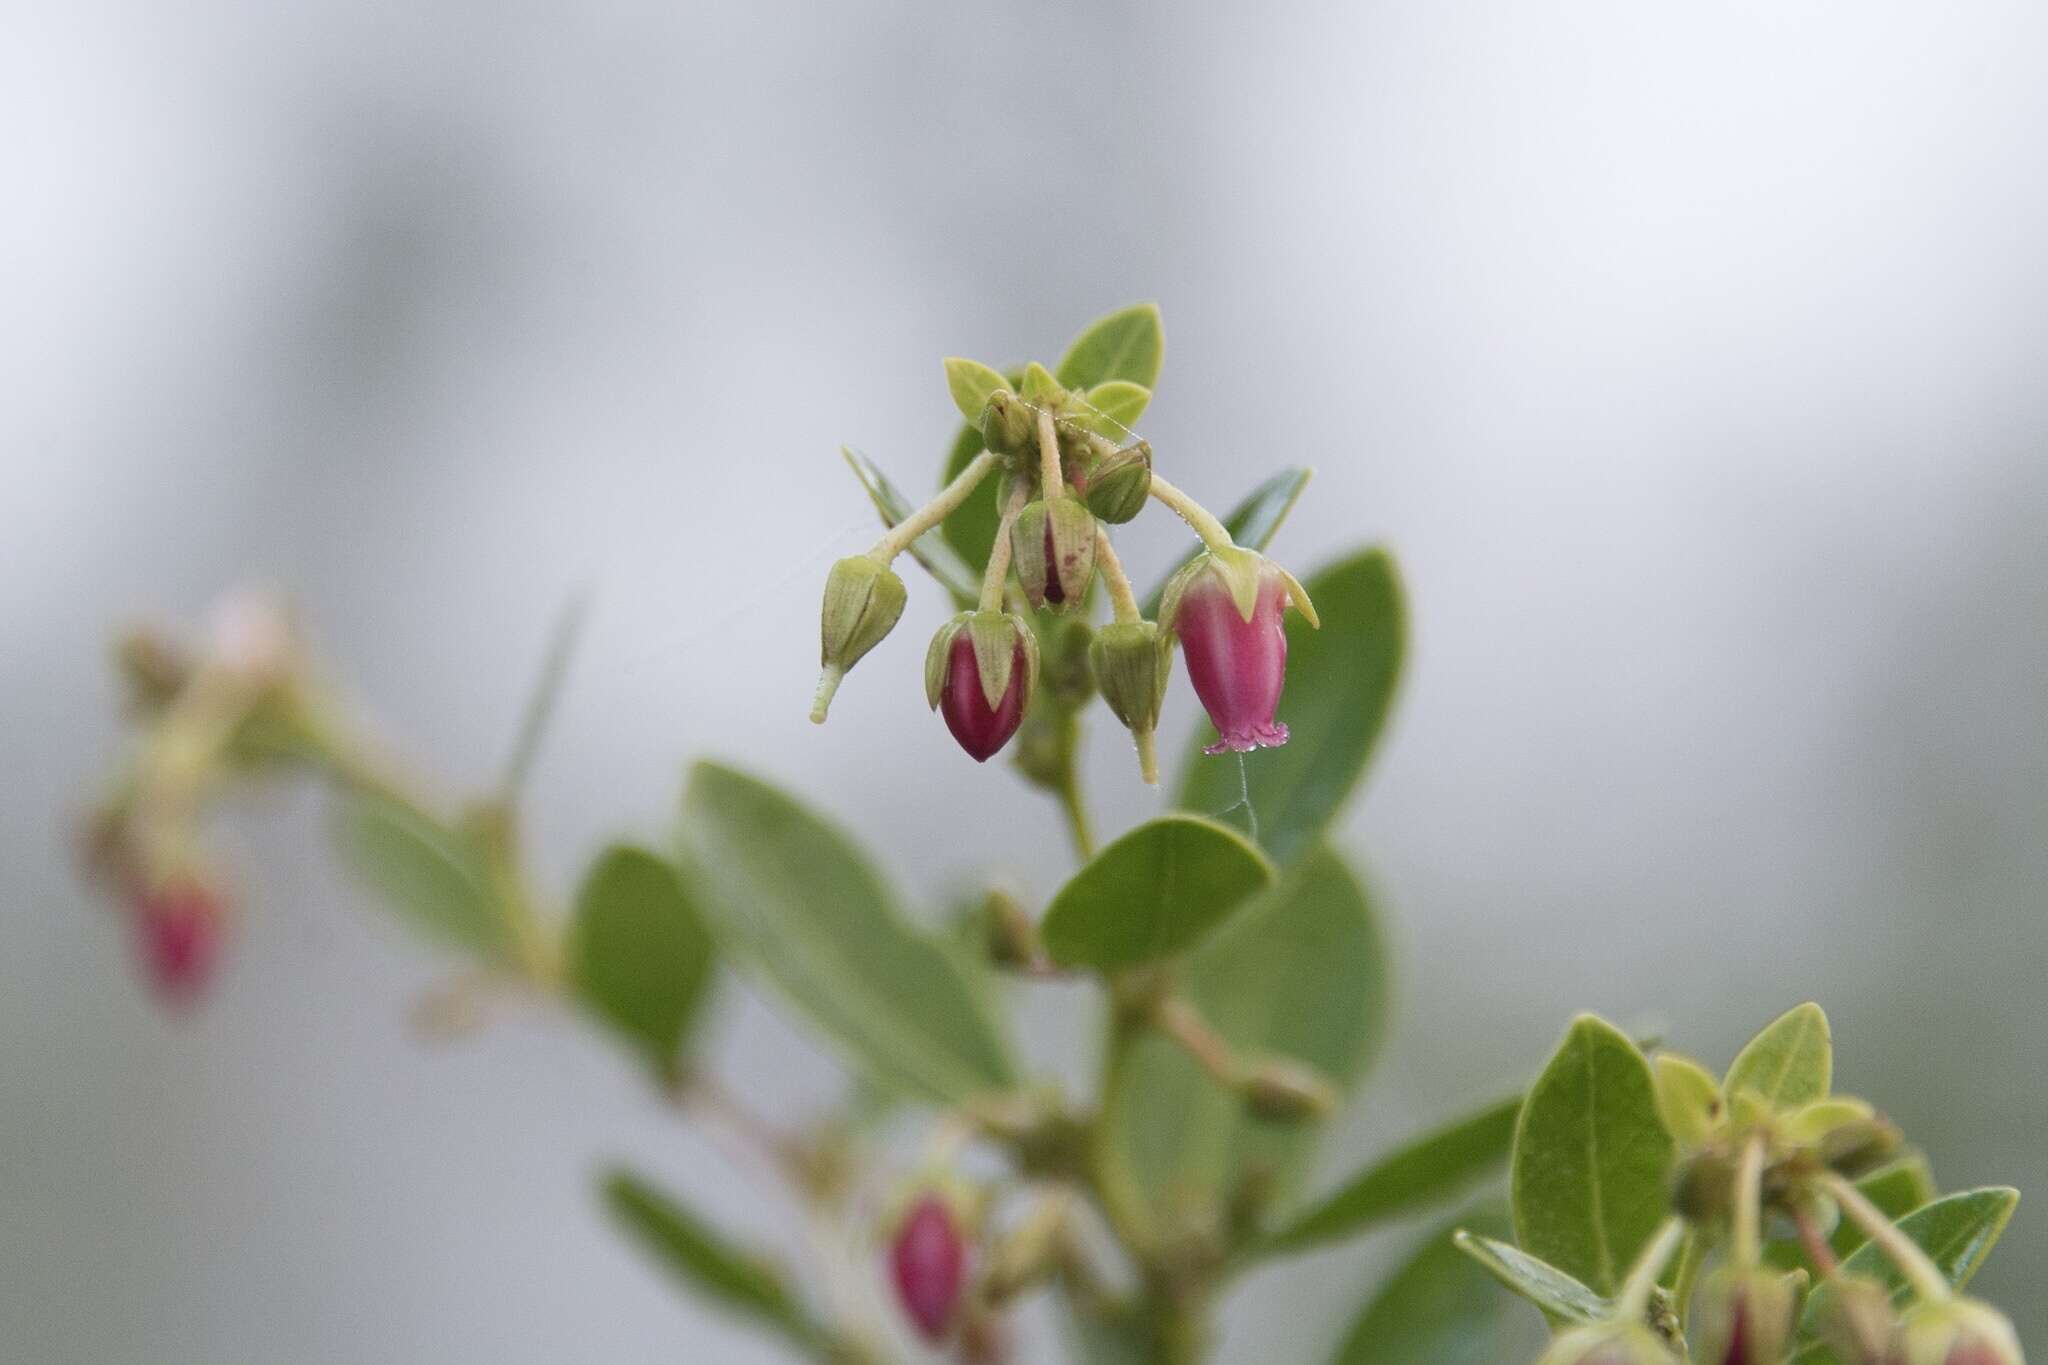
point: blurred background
(1690, 357)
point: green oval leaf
(971, 382)
(1428, 1170)
(1790, 1064)
(1152, 893)
(1438, 1309)
(436, 878)
(1115, 407)
(1561, 1297)
(1688, 1099)
(639, 954)
(1300, 973)
(1340, 686)
(931, 550)
(1128, 344)
(1252, 523)
(792, 899)
(1956, 1232)
(1591, 1158)
(703, 1261)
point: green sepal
(938, 658)
(863, 602)
(1132, 665)
(997, 636)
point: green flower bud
(1854, 1317)
(1744, 1317)
(1282, 1090)
(1053, 544)
(1065, 643)
(863, 602)
(1132, 664)
(1011, 937)
(1861, 1146)
(1959, 1332)
(1705, 1189)
(1118, 487)
(1008, 427)
(1609, 1344)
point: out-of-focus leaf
(1897, 1189)
(1127, 344)
(1300, 973)
(1561, 1297)
(1790, 1064)
(1252, 523)
(792, 899)
(1440, 1309)
(703, 1261)
(1956, 1232)
(931, 549)
(437, 879)
(1107, 1340)
(640, 954)
(1340, 686)
(1688, 1099)
(1428, 1170)
(1592, 1161)
(1152, 893)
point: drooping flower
(1226, 610)
(1959, 1332)
(978, 674)
(178, 929)
(928, 1263)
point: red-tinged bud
(979, 674)
(1053, 545)
(1744, 1318)
(1226, 609)
(1959, 1332)
(178, 932)
(928, 1262)
(1609, 1344)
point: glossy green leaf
(1592, 1162)
(1300, 973)
(1115, 407)
(1561, 1297)
(1152, 893)
(1441, 1309)
(791, 898)
(437, 879)
(1428, 1170)
(704, 1262)
(971, 382)
(1128, 344)
(1897, 1189)
(640, 954)
(931, 550)
(1956, 1232)
(1340, 687)
(1790, 1064)
(1252, 523)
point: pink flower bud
(1959, 1332)
(1227, 613)
(178, 937)
(928, 1261)
(1744, 1318)
(979, 674)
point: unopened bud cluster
(1062, 478)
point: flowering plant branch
(1656, 1212)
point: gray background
(1690, 356)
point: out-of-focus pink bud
(1227, 614)
(1744, 1318)
(1960, 1332)
(979, 674)
(1609, 1344)
(178, 933)
(928, 1262)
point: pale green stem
(906, 531)
(999, 555)
(1749, 1200)
(1690, 1262)
(1049, 456)
(1214, 533)
(1180, 1021)
(1633, 1303)
(1076, 808)
(1923, 1274)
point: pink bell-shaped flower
(1225, 609)
(928, 1263)
(178, 933)
(979, 674)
